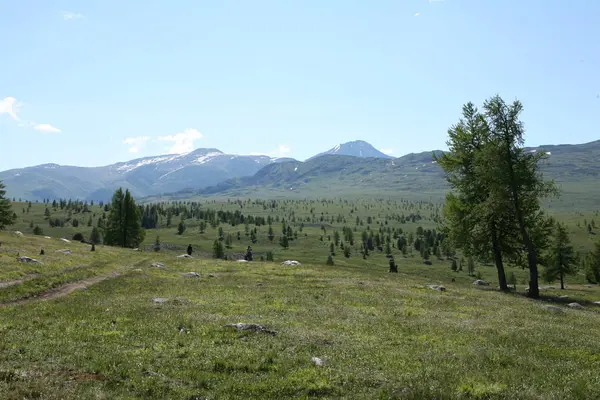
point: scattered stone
(576, 306)
(191, 275)
(159, 300)
(564, 296)
(185, 256)
(136, 249)
(554, 309)
(242, 261)
(317, 361)
(26, 259)
(211, 275)
(259, 284)
(18, 233)
(138, 270)
(250, 327)
(158, 265)
(64, 251)
(479, 282)
(437, 287)
(597, 303)
(291, 263)
(47, 237)
(65, 240)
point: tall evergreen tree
(514, 174)
(471, 223)
(124, 221)
(562, 259)
(95, 237)
(7, 217)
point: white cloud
(68, 15)
(417, 14)
(284, 149)
(46, 128)
(183, 141)
(9, 106)
(387, 151)
(137, 143)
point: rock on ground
(28, 260)
(554, 309)
(18, 233)
(291, 262)
(159, 300)
(64, 251)
(317, 361)
(65, 240)
(576, 306)
(185, 256)
(245, 261)
(191, 275)
(158, 265)
(250, 327)
(479, 282)
(437, 287)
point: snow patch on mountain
(207, 157)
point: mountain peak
(356, 148)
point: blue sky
(99, 81)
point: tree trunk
(562, 281)
(534, 289)
(499, 263)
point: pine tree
(454, 266)
(124, 221)
(218, 251)
(562, 259)
(38, 231)
(347, 252)
(181, 227)
(592, 265)
(157, 244)
(228, 241)
(7, 217)
(284, 242)
(329, 260)
(202, 226)
(271, 235)
(95, 236)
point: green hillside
(107, 324)
(414, 176)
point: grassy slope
(381, 335)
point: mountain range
(353, 167)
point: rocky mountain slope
(357, 148)
(143, 176)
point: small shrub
(269, 256)
(329, 260)
(78, 237)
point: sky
(94, 82)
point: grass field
(379, 335)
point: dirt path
(63, 290)
(5, 284)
